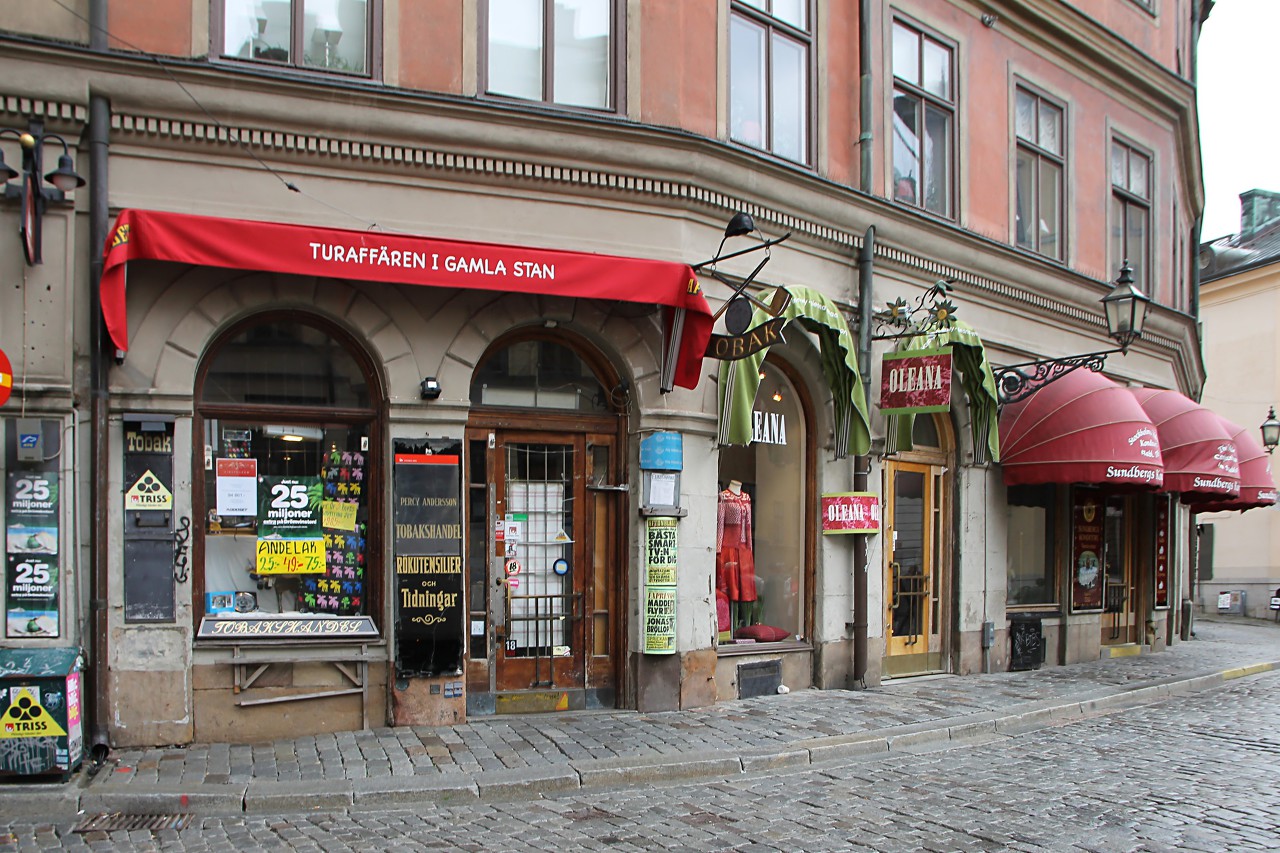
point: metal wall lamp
(1270, 431)
(1125, 308)
(739, 226)
(34, 197)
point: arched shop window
(762, 533)
(287, 492)
(539, 374)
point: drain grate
(117, 821)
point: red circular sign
(6, 378)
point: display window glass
(761, 588)
(287, 495)
(1031, 545)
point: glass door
(913, 581)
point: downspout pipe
(864, 99)
(99, 210)
(862, 464)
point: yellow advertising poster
(26, 717)
(660, 620)
(660, 551)
(337, 515)
(290, 557)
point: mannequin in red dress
(735, 564)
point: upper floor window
(1039, 214)
(557, 51)
(769, 76)
(1131, 211)
(924, 108)
(331, 35)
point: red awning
(1257, 486)
(1081, 428)
(404, 259)
(1200, 458)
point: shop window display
(286, 420)
(1031, 545)
(760, 523)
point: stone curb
(106, 795)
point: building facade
(1239, 283)
(388, 367)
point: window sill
(736, 649)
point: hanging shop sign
(915, 381)
(1087, 520)
(750, 342)
(660, 620)
(6, 378)
(31, 554)
(430, 611)
(290, 539)
(851, 512)
(1162, 553)
(661, 543)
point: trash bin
(1026, 641)
(41, 729)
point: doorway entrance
(1119, 619)
(917, 548)
(547, 561)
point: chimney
(1258, 209)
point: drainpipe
(99, 130)
(864, 105)
(862, 464)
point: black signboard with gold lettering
(430, 611)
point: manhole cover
(114, 822)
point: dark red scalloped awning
(408, 259)
(1081, 428)
(1201, 461)
(1257, 486)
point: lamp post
(34, 196)
(1125, 308)
(1270, 431)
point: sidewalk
(494, 758)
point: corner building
(385, 380)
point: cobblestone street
(1193, 772)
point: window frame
(1052, 497)
(617, 87)
(772, 27)
(297, 64)
(925, 99)
(1039, 155)
(1142, 274)
(372, 416)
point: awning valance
(979, 387)
(739, 379)
(1081, 428)
(1200, 458)
(405, 259)
(1257, 486)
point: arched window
(539, 374)
(761, 562)
(288, 507)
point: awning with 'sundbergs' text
(406, 259)
(1080, 428)
(1201, 461)
(1257, 486)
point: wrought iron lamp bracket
(1016, 382)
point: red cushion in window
(761, 633)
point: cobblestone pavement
(1197, 774)
(1192, 771)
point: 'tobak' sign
(915, 381)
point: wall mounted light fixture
(430, 388)
(34, 196)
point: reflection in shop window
(760, 523)
(1030, 545)
(286, 419)
(332, 35)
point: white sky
(1239, 120)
